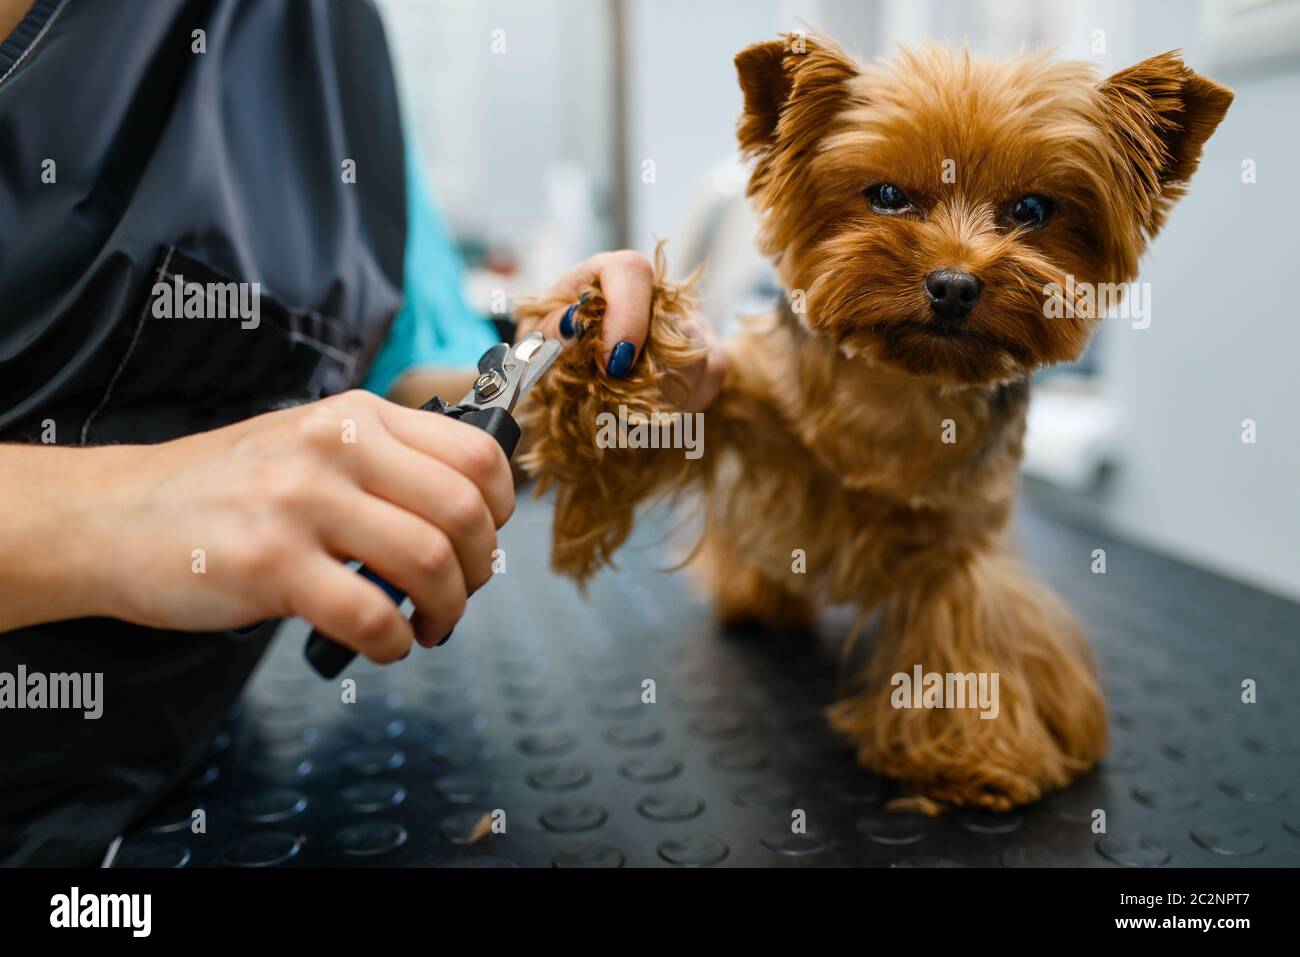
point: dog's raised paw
(599, 484)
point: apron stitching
(135, 338)
(338, 355)
(326, 319)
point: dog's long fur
(828, 436)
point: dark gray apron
(218, 166)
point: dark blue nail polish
(446, 638)
(566, 324)
(620, 360)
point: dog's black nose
(952, 294)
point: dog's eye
(1033, 211)
(888, 199)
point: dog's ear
(1161, 113)
(779, 73)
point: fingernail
(446, 638)
(566, 324)
(620, 360)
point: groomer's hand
(253, 521)
(627, 281)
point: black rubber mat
(534, 712)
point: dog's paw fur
(986, 616)
(598, 489)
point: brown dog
(927, 218)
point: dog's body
(866, 443)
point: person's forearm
(247, 522)
(52, 554)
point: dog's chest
(862, 479)
(847, 539)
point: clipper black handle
(327, 656)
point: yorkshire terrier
(925, 217)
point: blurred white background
(539, 151)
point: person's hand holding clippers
(255, 520)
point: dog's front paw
(577, 414)
(982, 692)
(959, 758)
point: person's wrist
(96, 568)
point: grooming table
(535, 709)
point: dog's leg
(985, 615)
(599, 487)
(743, 596)
(575, 410)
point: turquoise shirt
(435, 327)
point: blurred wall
(683, 99)
(500, 94)
(1224, 338)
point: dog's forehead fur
(994, 128)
